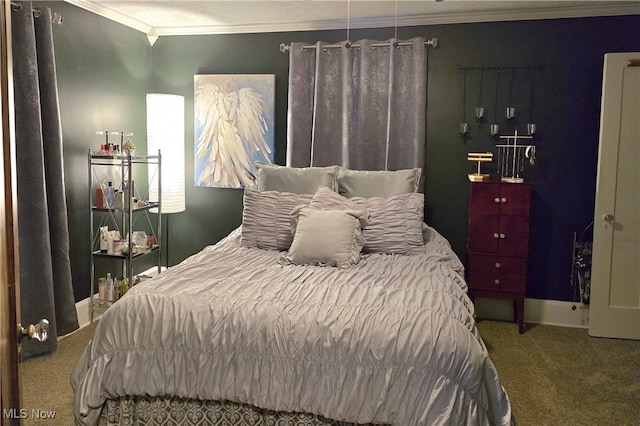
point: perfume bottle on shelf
(110, 194)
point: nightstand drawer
(498, 264)
(497, 282)
(497, 273)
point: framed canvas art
(234, 119)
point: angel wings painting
(233, 128)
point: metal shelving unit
(123, 217)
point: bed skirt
(165, 410)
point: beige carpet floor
(562, 376)
(553, 375)
(45, 380)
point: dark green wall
(569, 56)
(105, 69)
(104, 72)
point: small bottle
(110, 195)
(102, 291)
(109, 288)
(117, 246)
(116, 288)
(123, 286)
(104, 230)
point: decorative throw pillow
(326, 199)
(378, 183)
(297, 180)
(394, 224)
(325, 238)
(266, 222)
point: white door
(615, 277)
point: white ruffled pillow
(325, 237)
(394, 223)
(266, 218)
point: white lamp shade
(165, 132)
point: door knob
(609, 218)
(40, 331)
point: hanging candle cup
(464, 128)
(531, 128)
(479, 112)
(494, 129)
(511, 112)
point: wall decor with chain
(504, 99)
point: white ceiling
(178, 17)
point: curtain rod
(432, 42)
(519, 67)
(56, 18)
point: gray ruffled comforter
(392, 340)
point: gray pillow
(325, 238)
(377, 183)
(297, 180)
(394, 224)
(266, 218)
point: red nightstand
(498, 242)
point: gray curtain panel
(46, 289)
(361, 106)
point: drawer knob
(495, 235)
(497, 264)
(496, 281)
(502, 236)
(497, 200)
(504, 200)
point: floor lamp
(165, 132)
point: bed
(377, 328)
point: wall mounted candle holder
(512, 89)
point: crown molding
(111, 14)
(589, 10)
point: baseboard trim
(82, 309)
(536, 311)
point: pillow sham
(296, 180)
(378, 183)
(394, 224)
(266, 218)
(325, 238)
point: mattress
(391, 340)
